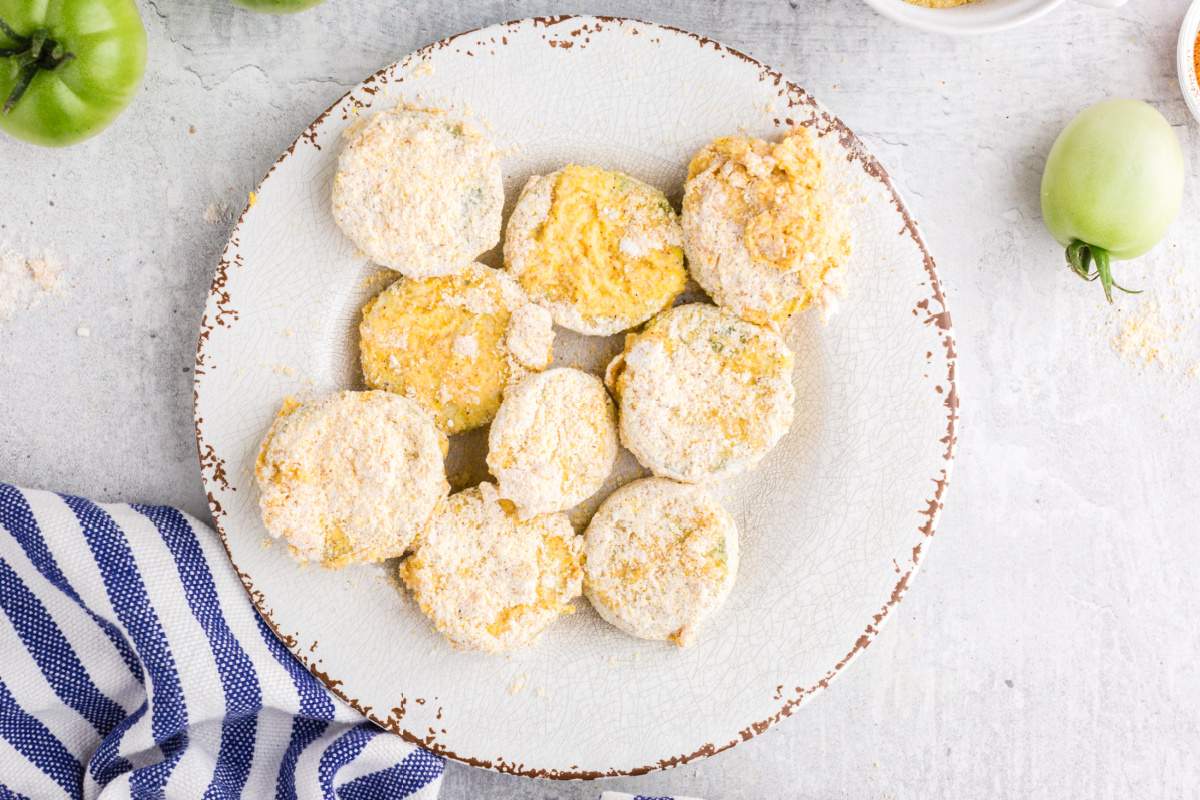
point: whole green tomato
(67, 68)
(278, 6)
(1112, 185)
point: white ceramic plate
(834, 522)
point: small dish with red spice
(1188, 58)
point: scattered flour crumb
(422, 70)
(1144, 337)
(216, 213)
(540, 691)
(83, 331)
(43, 272)
(25, 281)
(1162, 328)
(466, 346)
(518, 683)
(284, 369)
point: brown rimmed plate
(834, 523)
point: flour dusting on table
(25, 281)
(1162, 328)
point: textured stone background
(1048, 648)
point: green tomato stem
(1103, 267)
(34, 53)
(1081, 256)
(11, 34)
(24, 78)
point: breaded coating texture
(419, 191)
(350, 477)
(702, 394)
(759, 227)
(659, 558)
(454, 343)
(488, 580)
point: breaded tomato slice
(488, 580)
(419, 191)
(454, 343)
(598, 248)
(702, 394)
(659, 558)
(554, 441)
(760, 229)
(350, 477)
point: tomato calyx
(1080, 258)
(34, 53)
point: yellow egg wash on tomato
(339, 550)
(775, 192)
(262, 468)
(445, 342)
(416, 342)
(587, 253)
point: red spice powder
(1196, 58)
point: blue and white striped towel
(133, 665)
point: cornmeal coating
(419, 191)
(760, 229)
(350, 477)
(454, 343)
(702, 394)
(554, 441)
(489, 580)
(659, 558)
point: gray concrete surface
(1049, 646)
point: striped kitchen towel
(133, 665)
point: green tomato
(1112, 185)
(278, 6)
(67, 67)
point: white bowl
(980, 16)
(1188, 83)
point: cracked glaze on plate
(834, 522)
